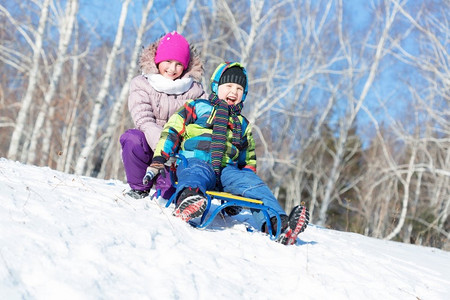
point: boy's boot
(298, 220)
(274, 223)
(190, 204)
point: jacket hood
(148, 66)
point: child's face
(231, 93)
(171, 69)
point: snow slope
(68, 237)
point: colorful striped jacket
(189, 132)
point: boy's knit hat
(229, 72)
(234, 75)
(173, 46)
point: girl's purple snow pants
(137, 156)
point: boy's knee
(196, 173)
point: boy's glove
(152, 171)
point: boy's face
(171, 69)
(230, 92)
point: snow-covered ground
(68, 237)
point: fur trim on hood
(148, 66)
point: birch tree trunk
(36, 46)
(94, 124)
(66, 23)
(69, 136)
(69, 133)
(406, 187)
(109, 145)
(47, 151)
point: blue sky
(106, 14)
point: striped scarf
(219, 135)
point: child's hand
(152, 171)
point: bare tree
(354, 107)
(90, 142)
(69, 134)
(66, 22)
(430, 143)
(120, 102)
(35, 42)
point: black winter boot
(137, 194)
(273, 223)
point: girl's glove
(152, 171)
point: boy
(219, 148)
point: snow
(64, 236)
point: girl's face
(171, 69)
(230, 92)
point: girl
(171, 74)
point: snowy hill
(68, 237)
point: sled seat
(228, 199)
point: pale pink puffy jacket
(151, 109)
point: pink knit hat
(173, 46)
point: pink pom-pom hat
(173, 46)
